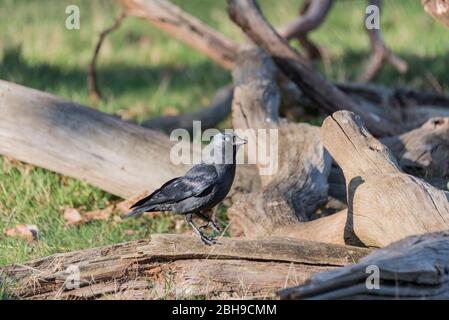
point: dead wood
(438, 9)
(423, 151)
(185, 28)
(119, 157)
(312, 15)
(177, 266)
(297, 185)
(246, 14)
(380, 53)
(384, 204)
(412, 268)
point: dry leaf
(123, 206)
(170, 111)
(98, 214)
(130, 232)
(28, 232)
(72, 216)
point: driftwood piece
(184, 27)
(438, 9)
(413, 268)
(177, 266)
(384, 204)
(297, 184)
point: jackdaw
(203, 187)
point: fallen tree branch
(185, 28)
(246, 14)
(92, 86)
(409, 269)
(311, 17)
(176, 266)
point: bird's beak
(239, 141)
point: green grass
(143, 72)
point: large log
(384, 204)
(66, 137)
(413, 268)
(119, 157)
(176, 266)
(297, 183)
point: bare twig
(94, 92)
(380, 54)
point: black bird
(203, 187)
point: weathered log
(176, 266)
(297, 184)
(384, 204)
(423, 151)
(413, 268)
(119, 157)
(184, 27)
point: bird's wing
(196, 181)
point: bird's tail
(136, 211)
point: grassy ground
(142, 72)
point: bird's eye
(227, 138)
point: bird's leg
(205, 239)
(210, 222)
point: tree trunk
(176, 266)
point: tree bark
(176, 266)
(409, 269)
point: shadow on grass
(119, 79)
(114, 80)
(421, 70)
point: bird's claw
(213, 225)
(207, 240)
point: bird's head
(223, 148)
